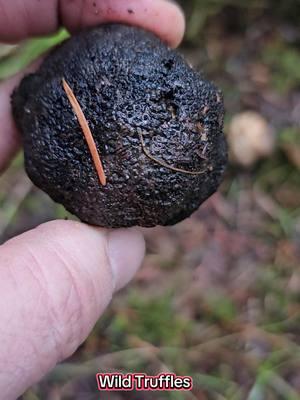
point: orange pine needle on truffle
(86, 131)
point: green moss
(290, 135)
(285, 68)
(153, 320)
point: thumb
(55, 281)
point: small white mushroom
(250, 138)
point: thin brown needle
(86, 131)
(162, 163)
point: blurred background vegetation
(218, 297)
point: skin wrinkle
(106, 262)
(95, 292)
(16, 371)
(41, 360)
(63, 335)
(21, 315)
(58, 337)
(54, 313)
(31, 333)
(33, 257)
(41, 283)
(91, 280)
(51, 323)
(53, 319)
(75, 331)
(98, 287)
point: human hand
(57, 279)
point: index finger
(20, 19)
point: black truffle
(156, 122)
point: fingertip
(126, 249)
(162, 17)
(179, 32)
(118, 251)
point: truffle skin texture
(130, 86)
